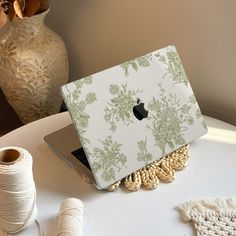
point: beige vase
(33, 66)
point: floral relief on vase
(33, 67)
(8, 54)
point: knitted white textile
(211, 216)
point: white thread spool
(70, 218)
(17, 190)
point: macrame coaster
(211, 216)
(162, 170)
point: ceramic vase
(33, 66)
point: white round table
(210, 172)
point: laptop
(128, 116)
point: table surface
(210, 172)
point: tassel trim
(207, 206)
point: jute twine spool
(70, 218)
(17, 190)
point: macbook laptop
(128, 116)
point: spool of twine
(70, 218)
(17, 190)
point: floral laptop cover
(134, 113)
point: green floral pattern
(78, 106)
(143, 154)
(174, 66)
(120, 107)
(172, 113)
(108, 160)
(198, 114)
(135, 64)
(192, 99)
(169, 120)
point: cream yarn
(17, 190)
(211, 216)
(70, 218)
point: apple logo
(139, 110)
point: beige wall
(103, 33)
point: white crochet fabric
(211, 216)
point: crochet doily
(151, 175)
(211, 217)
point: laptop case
(134, 113)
